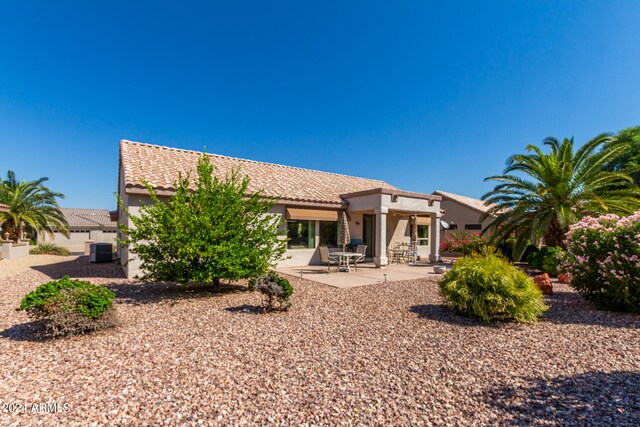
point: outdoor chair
(326, 258)
(360, 249)
(412, 253)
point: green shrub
(210, 229)
(548, 260)
(70, 306)
(49, 249)
(603, 261)
(506, 247)
(489, 287)
(275, 291)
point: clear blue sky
(423, 95)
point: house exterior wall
(77, 238)
(461, 215)
(396, 226)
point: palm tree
(552, 191)
(32, 206)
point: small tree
(215, 231)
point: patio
(367, 274)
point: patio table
(343, 264)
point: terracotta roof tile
(88, 218)
(161, 166)
(4, 208)
(468, 201)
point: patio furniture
(361, 250)
(329, 259)
(344, 260)
(354, 243)
(412, 252)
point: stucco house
(84, 224)
(309, 202)
(463, 213)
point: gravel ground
(376, 355)
(16, 266)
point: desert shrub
(489, 287)
(603, 261)
(465, 242)
(506, 247)
(275, 291)
(548, 260)
(49, 249)
(210, 229)
(70, 307)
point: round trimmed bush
(70, 307)
(489, 287)
(275, 290)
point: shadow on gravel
(246, 308)
(593, 398)
(441, 313)
(152, 293)
(571, 308)
(31, 331)
(81, 267)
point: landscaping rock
(543, 281)
(374, 355)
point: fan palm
(554, 190)
(32, 205)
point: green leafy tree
(541, 194)
(33, 207)
(214, 231)
(628, 160)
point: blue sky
(424, 95)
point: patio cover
(312, 214)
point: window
(453, 227)
(329, 233)
(301, 234)
(473, 227)
(423, 235)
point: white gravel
(376, 355)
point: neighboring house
(463, 213)
(84, 224)
(309, 202)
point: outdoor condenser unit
(101, 252)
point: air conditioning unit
(101, 252)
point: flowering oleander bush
(603, 260)
(464, 242)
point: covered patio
(367, 274)
(385, 218)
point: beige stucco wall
(77, 238)
(461, 215)
(397, 228)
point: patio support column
(434, 238)
(380, 254)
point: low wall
(12, 250)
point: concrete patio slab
(367, 274)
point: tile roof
(88, 218)
(161, 165)
(4, 208)
(468, 201)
